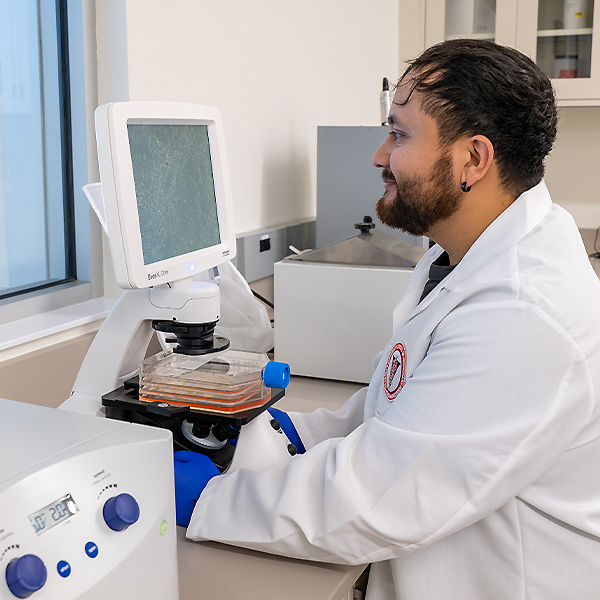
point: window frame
(78, 286)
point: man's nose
(381, 158)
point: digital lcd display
(174, 188)
(56, 512)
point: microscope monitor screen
(174, 187)
(166, 190)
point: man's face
(421, 186)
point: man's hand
(288, 428)
(192, 472)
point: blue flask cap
(276, 375)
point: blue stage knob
(276, 375)
(121, 511)
(25, 575)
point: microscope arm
(121, 343)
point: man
(470, 467)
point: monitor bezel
(118, 187)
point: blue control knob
(121, 511)
(25, 575)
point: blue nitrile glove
(288, 428)
(192, 472)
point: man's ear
(479, 159)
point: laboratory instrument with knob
(86, 505)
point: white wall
(275, 69)
(572, 169)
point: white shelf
(472, 36)
(54, 322)
(564, 32)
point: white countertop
(218, 571)
(211, 570)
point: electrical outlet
(265, 243)
(258, 251)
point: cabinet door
(480, 19)
(562, 37)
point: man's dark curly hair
(475, 87)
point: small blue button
(64, 568)
(91, 549)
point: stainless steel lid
(369, 249)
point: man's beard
(420, 203)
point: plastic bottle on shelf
(575, 14)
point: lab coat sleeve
(501, 395)
(324, 424)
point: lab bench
(213, 570)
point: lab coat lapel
(417, 282)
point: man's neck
(479, 208)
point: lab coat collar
(414, 290)
(520, 218)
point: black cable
(263, 299)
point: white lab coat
(469, 469)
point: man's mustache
(387, 174)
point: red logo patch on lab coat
(394, 376)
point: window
(37, 224)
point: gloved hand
(192, 472)
(288, 428)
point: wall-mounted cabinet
(562, 36)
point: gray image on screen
(175, 190)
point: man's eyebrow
(393, 120)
